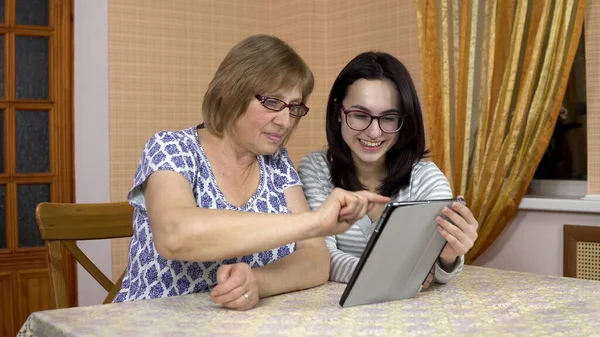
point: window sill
(587, 204)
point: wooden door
(36, 146)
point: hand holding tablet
(400, 253)
(460, 233)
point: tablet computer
(399, 255)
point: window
(563, 168)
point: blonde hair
(256, 65)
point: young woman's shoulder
(429, 182)
(316, 162)
(314, 170)
(319, 156)
(424, 166)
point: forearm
(448, 263)
(444, 272)
(304, 268)
(197, 234)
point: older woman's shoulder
(281, 156)
(187, 136)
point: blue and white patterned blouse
(151, 276)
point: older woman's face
(262, 131)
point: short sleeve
(311, 170)
(284, 172)
(165, 150)
(430, 183)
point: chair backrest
(66, 223)
(581, 252)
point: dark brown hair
(410, 146)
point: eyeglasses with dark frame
(359, 120)
(275, 104)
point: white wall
(91, 131)
(533, 242)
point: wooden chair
(581, 252)
(63, 223)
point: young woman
(219, 206)
(376, 142)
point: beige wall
(592, 55)
(305, 28)
(162, 56)
(357, 26)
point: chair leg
(113, 292)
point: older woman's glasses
(359, 120)
(275, 104)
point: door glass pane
(1, 141)
(32, 141)
(28, 197)
(2, 64)
(1, 11)
(31, 60)
(2, 218)
(32, 12)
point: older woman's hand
(237, 287)
(460, 236)
(342, 208)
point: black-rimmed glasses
(359, 120)
(275, 104)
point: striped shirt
(427, 182)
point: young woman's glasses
(275, 104)
(359, 120)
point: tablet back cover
(406, 248)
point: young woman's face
(261, 130)
(366, 99)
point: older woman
(213, 202)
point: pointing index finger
(374, 197)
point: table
(480, 301)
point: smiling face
(262, 131)
(375, 97)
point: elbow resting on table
(323, 275)
(319, 261)
(320, 265)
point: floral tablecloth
(480, 301)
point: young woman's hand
(237, 287)
(342, 208)
(429, 279)
(460, 236)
